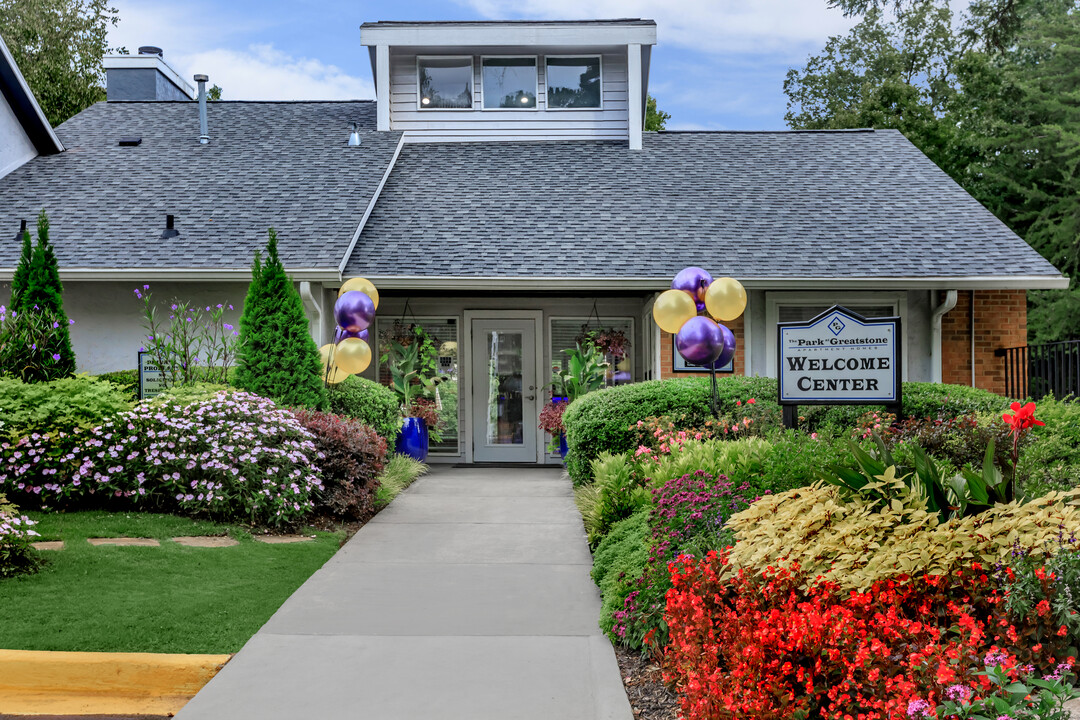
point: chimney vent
(151, 50)
(22, 231)
(169, 231)
(204, 134)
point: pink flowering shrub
(16, 555)
(233, 455)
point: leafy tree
(58, 45)
(654, 119)
(277, 356)
(214, 93)
(990, 97)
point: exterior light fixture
(425, 101)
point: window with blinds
(564, 334)
(444, 333)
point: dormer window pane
(509, 83)
(573, 82)
(445, 83)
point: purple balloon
(341, 334)
(695, 281)
(622, 377)
(728, 351)
(354, 311)
(700, 341)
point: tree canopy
(990, 96)
(59, 45)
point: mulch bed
(643, 681)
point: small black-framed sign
(151, 377)
(839, 358)
(679, 364)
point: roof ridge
(237, 102)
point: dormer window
(508, 83)
(573, 82)
(445, 83)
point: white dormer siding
(398, 48)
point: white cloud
(721, 26)
(195, 41)
(263, 73)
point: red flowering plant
(551, 421)
(772, 646)
(1020, 421)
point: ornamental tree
(277, 358)
(35, 342)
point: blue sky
(718, 64)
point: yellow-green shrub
(855, 545)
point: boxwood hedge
(369, 402)
(600, 421)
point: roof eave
(25, 105)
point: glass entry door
(504, 392)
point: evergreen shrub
(369, 402)
(277, 357)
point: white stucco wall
(15, 145)
(108, 329)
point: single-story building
(502, 186)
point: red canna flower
(1022, 417)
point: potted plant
(414, 381)
(586, 370)
(612, 344)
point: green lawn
(168, 599)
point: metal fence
(1038, 370)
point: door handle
(531, 397)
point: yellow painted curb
(85, 683)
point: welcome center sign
(839, 358)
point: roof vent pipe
(22, 231)
(204, 133)
(151, 50)
(354, 136)
(170, 231)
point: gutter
(935, 333)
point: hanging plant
(608, 341)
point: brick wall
(1000, 321)
(667, 350)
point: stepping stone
(210, 541)
(283, 539)
(126, 542)
(48, 545)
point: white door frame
(465, 372)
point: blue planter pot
(413, 439)
(562, 446)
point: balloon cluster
(354, 312)
(701, 339)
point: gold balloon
(353, 355)
(725, 299)
(672, 309)
(363, 285)
(331, 372)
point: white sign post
(839, 358)
(151, 377)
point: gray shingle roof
(279, 164)
(784, 204)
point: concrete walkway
(469, 597)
